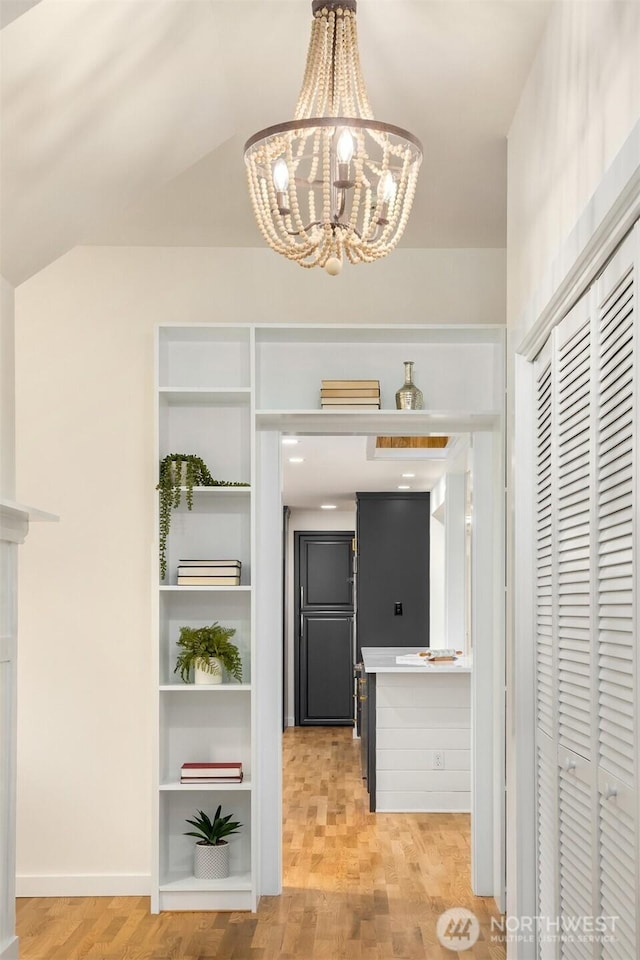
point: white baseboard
(291, 721)
(84, 885)
(10, 950)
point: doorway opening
(481, 458)
(320, 478)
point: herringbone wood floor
(356, 885)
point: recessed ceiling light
(328, 506)
(404, 486)
(408, 475)
(296, 459)
(290, 441)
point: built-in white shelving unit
(223, 393)
(205, 407)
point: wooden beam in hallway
(357, 885)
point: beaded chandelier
(333, 182)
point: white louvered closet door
(587, 578)
(574, 566)
(616, 688)
(546, 720)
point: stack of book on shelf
(209, 573)
(350, 395)
(211, 773)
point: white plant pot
(204, 677)
(211, 862)
(179, 474)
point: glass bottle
(409, 397)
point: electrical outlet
(438, 760)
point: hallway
(356, 885)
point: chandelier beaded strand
(333, 181)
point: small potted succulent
(207, 650)
(211, 858)
(178, 470)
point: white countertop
(383, 660)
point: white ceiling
(12, 9)
(335, 468)
(124, 120)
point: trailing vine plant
(195, 474)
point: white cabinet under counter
(417, 732)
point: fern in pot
(211, 857)
(207, 651)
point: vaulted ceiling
(123, 121)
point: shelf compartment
(178, 888)
(199, 607)
(177, 787)
(206, 729)
(217, 528)
(451, 374)
(219, 434)
(191, 356)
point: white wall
(7, 391)
(85, 413)
(579, 106)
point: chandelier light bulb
(388, 187)
(281, 175)
(344, 150)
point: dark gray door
(324, 628)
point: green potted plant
(207, 650)
(211, 858)
(178, 470)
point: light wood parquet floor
(357, 885)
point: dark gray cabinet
(392, 569)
